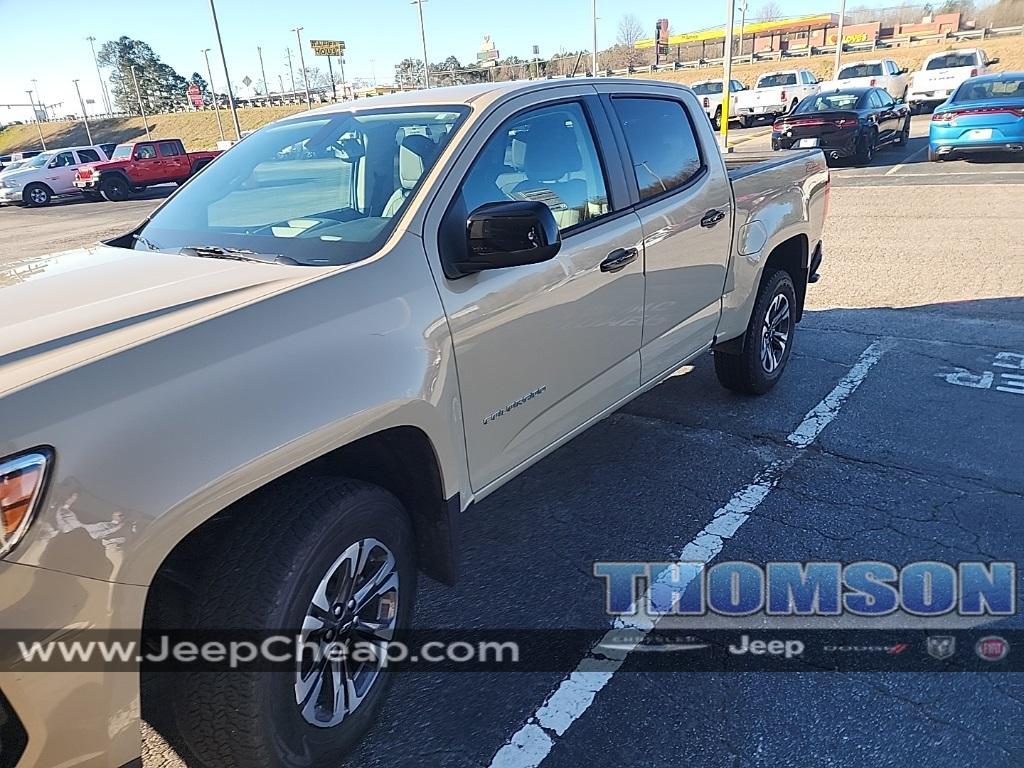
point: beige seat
(415, 154)
(552, 160)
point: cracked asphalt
(924, 461)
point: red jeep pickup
(133, 167)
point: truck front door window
(145, 152)
(546, 155)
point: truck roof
(474, 93)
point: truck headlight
(22, 483)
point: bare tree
(630, 31)
(770, 11)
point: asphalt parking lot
(924, 274)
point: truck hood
(107, 165)
(67, 309)
(20, 176)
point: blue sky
(46, 41)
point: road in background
(922, 462)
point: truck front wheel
(333, 558)
(114, 189)
(768, 342)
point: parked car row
(103, 171)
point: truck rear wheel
(768, 341)
(333, 557)
(114, 189)
(716, 121)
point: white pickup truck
(774, 94)
(267, 406)
(47, 175)
(942, 73)
(881, 73)
(710, 94)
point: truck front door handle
(618, 259)
(711, 218)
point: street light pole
(727, 74)
(85, 117)
(423, 40)
(302, 64)
(142, 109)
(213, 92)
(103, 86)
(593, 13)
(35, 119)
(743, 22)
(291, 72)
(266, 85)
(839, 38)
(341, 63)
(224, 63)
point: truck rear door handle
(618, 259)
(711, 218)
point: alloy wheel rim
(37, 195)
(775, 333)
(350, 620)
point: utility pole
(341, 63)
(280, 82)
(266, 85)
(213, 92)
(291, 72)
(373, 71)
(224, 63)
(35, 119)
(593, 13)
(302, 63)
(142, 109)
(330, 74)
(423, 39)
(39, 98)
(103, 86)
(743, 22)
(839, 38)
(85, 117)
(727, 79)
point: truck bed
(743, 164)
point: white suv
(47, 175)
(881, 73)
(942, 74)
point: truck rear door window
(662, 144)
(168, 149)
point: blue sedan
(985, 114)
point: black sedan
(846, 123)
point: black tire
(746, 372)
(744, 123)
(716, 121)
(865, 150)
(114, 189)
(36, 195)
(933, 156)
(242, 718)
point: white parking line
(532, 743)
(910, 159)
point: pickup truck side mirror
(992, 61)
(508, 234)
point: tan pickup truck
(268, 405)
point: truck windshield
(950, 60)
(39, 160)
(860, 70)
(707, 89)
(122, 152)
(319, 189)
(775, 81)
